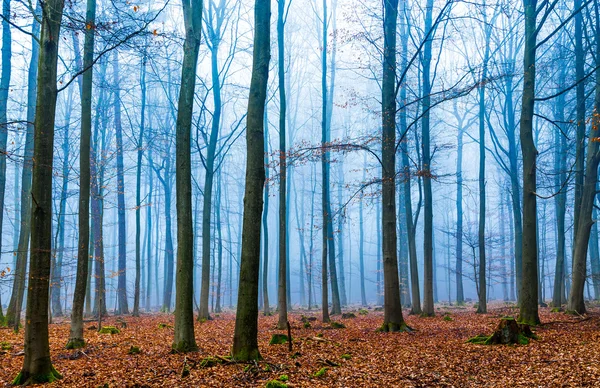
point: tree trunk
(97, 184)
(138, 192)
(59, 241)
(184, 340)
(81, 287)
(361, 241)
(121, 221)
(219, 245)
(392, 320)
(13, 313)
(149, 231)
(265, 225)
(529, 285)
(4, 88)
(580, 116)
(460, 296)
(169, 250)
(410, 228)
(428, 308)
(560, 200)
(588, 194)
(482, 306)
(328, 241)
(37, 367)
(282, 298)
(245, 341)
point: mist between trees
(195, 156)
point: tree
(37, 366)
(487, 27)
(184, 340)
(392, 320)
(428, 309)
(138, 190)
(283, 259)
(245, 337)
(588, 192)
(76, 335)
(328, 241)
(560, 200)
(215, 27)
(13, 314)
(529, 286)
(121, 220)
(410, 219)
(4, 88)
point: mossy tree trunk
(245, 341)
(76, 335)
(184, 340)
(37, 366)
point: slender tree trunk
(529, 285)
(184, 339)
(482, 306)
(301, 241)
(138, 192)
(59, 241)
(37, 366)
(515, 188)
(560, 200)
(265, 226)
(13, 314)
(328, 241)
(361, 242)
(81, 287)
(282, 298)
(219, 245)
(340, 236)
(97, 184)
(149, 231)
(393, 320)
(595, 255)
(460, 296)
(503, 247)
(428, 308)
(245, 341)
(5, 73)
(588, 194)
(209, 177)
(580, 116)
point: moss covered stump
(278, 339)
(508, 332)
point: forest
(300, 193)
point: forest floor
(567, 353)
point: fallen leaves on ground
(567, 353)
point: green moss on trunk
(27, 379)
(278, 339)
(184, 347)
(75, 343)
(509, 331)
(390, 327)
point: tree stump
(509, 331)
